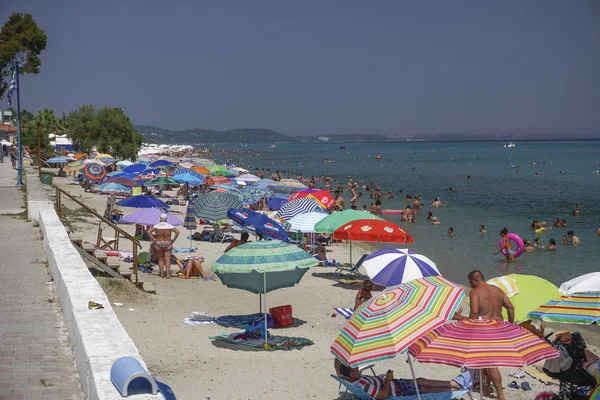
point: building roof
(8, 128)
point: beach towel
(507, 284)
(165, 390)
(344, 312)
(234, 321)
(537, 373)
(183, 250)
(275, 342)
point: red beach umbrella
(322, 196)
(372, 230)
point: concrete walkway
(36, 361)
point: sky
(324, 67)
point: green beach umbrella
(162, 180)
(337, 219)
(526, 293)
(215, 168)
(213, 206)
(263, 266)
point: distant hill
(154, 134)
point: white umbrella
(306, 222)
(124, 163)
(248, 178)
(582, 284)
(240, 170)
(391, 267)
(93, 161)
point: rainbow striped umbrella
(391, 321)
(478, 343)
(580, 308)
(94, 172)
(74, 166)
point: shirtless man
(486, 303)
(574, 239)
(160, 239)
(339, 201)
(354, 201)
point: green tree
(113, 132)
(49, 124)
(79, 127)
(20, 40)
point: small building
(61, 142)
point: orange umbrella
(79, 156)
(213, 180)
(201, 169)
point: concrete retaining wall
(97, 336)
(37, 199)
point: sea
(486, 189)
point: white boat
(272, 146)
(509, 144)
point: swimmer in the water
(482, 229)
(436, 203)
(564, 239)
(450, 231)
(551, 244)
(528, 246)
(435, 220)
(506, 245)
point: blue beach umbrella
(124, 163)
(188, 178)
(142, 201)
(257, 223)
(264, 183)
(111, 187)
(276, 203)
(135, 168)
(162, 163)
(300, 206)
(57, 160)
(391, 267)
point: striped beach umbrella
(112, 187)
(390, 267)
(324, 197)
(300, 206)
(189, 221)
(213, 206)
(387, 324)
(337, 219)
(580, 308)
(248, 178)
(306, 222)
(74, 166)
(481, 344)
(94, 172)
(162, 180)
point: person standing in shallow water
(160, 238)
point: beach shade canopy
(257, 223)
(300, 206)
(57, 160)
(263, 266)
(149, 216)
(213, 206)
(79, 156)
(240, 170)
(248, 178)
(135, 168)
(582, 284)
(162, 163)
(390, 267)
(306, 222)
(193, 179)
(200, 169)
(337, 219)
(226, 174)
(372, 230)
(481, 344)
(276, 203)
(94, 172)
(112, 187)
(121, 180)
(215, 168)
(580, 308)
(526, 293)
(252, 195)
(388, 323)
(204, 162)
(124, 163)
(120, 174)
(214, 180)
(142, 201)
(324, 197)
(161, 181)
(74, 166)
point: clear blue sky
(311, 67)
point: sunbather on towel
(193, 267)
(380, 387)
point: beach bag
(561, 363)
(282, 316)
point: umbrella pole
(412, 371)
(350, 251)
(265, 288)
(481, 384)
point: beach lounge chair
(359, 394)
(220, 236)
(351, 269)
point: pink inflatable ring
(518, 241)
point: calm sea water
(494, 195)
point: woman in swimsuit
(160, 239)
(510, 253)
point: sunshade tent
(335, 220)
(94, 172)
(390, 267)
(57, 160)
(526, 293)
(324, 197)
(200, 169)
(215, 168)
(263, 266)
(191, 179)
(135, 168)
(149, 216)
(142, 202)
(248, 178)
(390, 322)
(213, 206)
(252, 195)
(579, 308)
(124, 163)
(257, 223)
(162, 163)
(300, 206)
(582, 284)
(306, 222)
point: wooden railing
(118, 231)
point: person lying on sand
(380, 387)
(192, 266)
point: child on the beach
(364, 293)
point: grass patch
(69, 217)
(44, 383)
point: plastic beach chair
(220, 235)
(351, 269)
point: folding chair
(351, 269)
(106, 242)
(219, 235)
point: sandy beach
(197, 368)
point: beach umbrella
(149, 216)
(263, 266)
(214, 168)
(252, 195)
(120, 174)
(213, 206)
(189, 221)
(248, 178)
(257, 223)
(390, 267)
(306, 222)
(135, 168)
(324, 197)
(94, 161)
(213, 180)
(582, 284)
(204, 162)
(142, 201)
(526, 293)
(162, 163)
(127, 182)
(580, 308)
(161, 181)
(225, 173)
(111, 187)
(124, 163)
(388, 323)
(103, 156)
(264, 183)
(372, 230)
(276, 203)
(57, 160)
(200, 169)
(74, 166)
(240, 170)
(300, 206)
(79, 156)
(94, 173)
(337, 219)
(191, 179)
